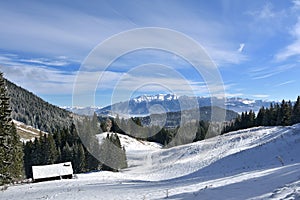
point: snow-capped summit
(157, 97)
(173, 103)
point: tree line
(61, 146)
(81, 147)
(63, 143)
(278, 114)
(11, 154)
(186, 133)
(30, 109)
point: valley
(238, 165)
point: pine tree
(112, 154)
(11, 154)
(260, 117)
(67, 153)
(250, 119)
(52, 153)
(17, 167)
(81, 158)
(296, 112)
(285, 113)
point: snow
(256, 163)
(157, 97)
(55, 170)
(28, 132)
(137, 151)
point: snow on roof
(54, 170)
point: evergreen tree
(11, 154)
(28, 158)
(112, 154)
(17, 167)
(67, 153)
(285, 114)
(250, 119)
(296, 112)
(81, 158)
(260, 117)
(52, 153)
(267, 117)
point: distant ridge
(141, 105)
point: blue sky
(254, 44)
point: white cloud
(296, 4)
(267, 72)
(267, 21)
(285, 83)
(265, 13)
(40, 80)
(223, 57)
(242, 45)
(56, 30)
(46, 62)
(37, 78)
(292, 49)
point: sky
(254, 45)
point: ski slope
(256, 163)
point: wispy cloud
(270, 71)
(36, 75)
(40, 80)
(267, 19)
(296, 4)
(292, 49)
(56, 30)
(266, 12)
(242, 45)
(285, 83)
(226, 57)
(46, 62)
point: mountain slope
(34, 111)
(236, 152)
(26, 132)
(174, 119)
(257, 163)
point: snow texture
(257, 163)
(55, 170)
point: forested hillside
(174, 119)
(284, 114)
(34, 111)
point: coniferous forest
(64, 142)
(283, 114)
(11, 154)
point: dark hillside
(34, 111)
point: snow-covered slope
(257, 163)
(137, 151)
(26, 132)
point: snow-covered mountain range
(82, 110)
(143, 105)
(157, 97)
